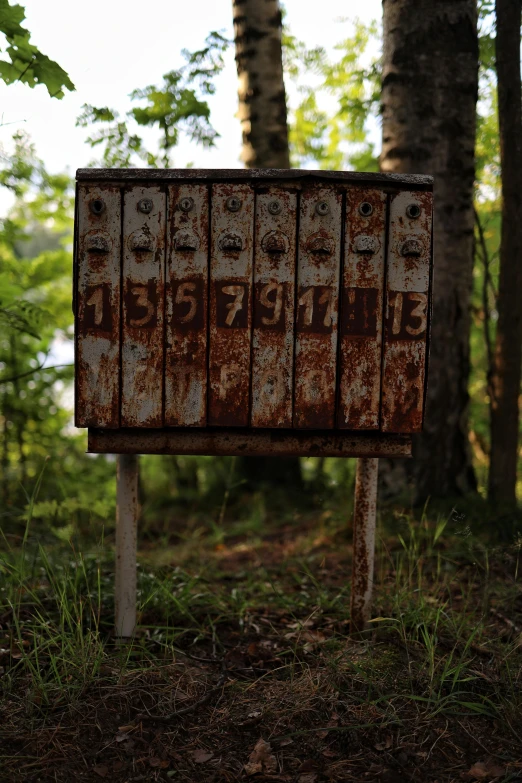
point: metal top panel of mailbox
(263, 299)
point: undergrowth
(243, 636)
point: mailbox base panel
(238, 442)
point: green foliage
(486, 27)
(35, 319)
(177, 106)
(337, 98)
(26, 63)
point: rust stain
(232, 441)
(406, 313)
(289, 340)
(365, 508)
(231, 254)
(143, 301)
(362, 309)
(186, 306)
(274, 287)
(98, 296)
(318, 271)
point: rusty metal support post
(126, 528)
(364, 518)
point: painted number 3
(141, 292)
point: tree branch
(485, 304)
(31, 372)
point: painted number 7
(237, 291)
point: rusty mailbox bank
(252, 312)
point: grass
(243, 637)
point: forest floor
(242, 668)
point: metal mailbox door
(274, 295)
(98, 306)
(231, 255)
(407, 312)
(186, 307)
(144, 220)
(318, 271)
(361, 310)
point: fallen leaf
(384, 745)
(101, 770)
(334, 721)
(154, 761)
(261, 759)
(301, 625)
(482, 771)
(314, 636)
(201, 756)
(310, 777)
(126, 729)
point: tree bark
(429, 95)
(507, 360)
(261, 91)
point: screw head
(186, 204)
(322, 208)
(365, 209)
(413, 210)
(145, 205)
(97, 206)
(233, 204)
(274, 207)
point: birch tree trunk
(261, 91)
(505, 381)
(429, 95)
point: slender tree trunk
(429, 95)
(505, 381)
(263, 116)
(261, 91)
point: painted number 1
(97, 311)
(96, 301)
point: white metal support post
(364, 520)
(126, 529)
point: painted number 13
(418, 312)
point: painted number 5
(184, 297)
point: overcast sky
(110, 47)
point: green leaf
(334, 138)
(174, 108)
(26, 63)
